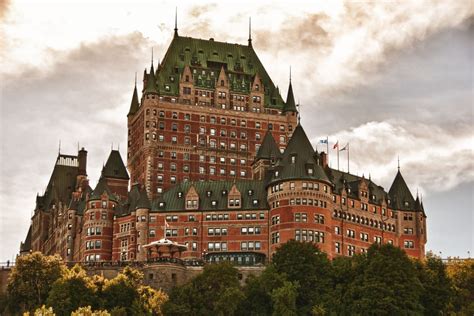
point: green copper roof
(352, 182)
(114, 167)
(206, 57)
(251, 190)
(100, 189)
(151, 81)
(301, 149)
(269, 149)
(290, 100)
(134, 104)
(61, 184)
(400, 195)
(143, 201)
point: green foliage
(284, 299)
(305, 264)
(119, 292)
(149, 301)
(387, 284)
(42, 311)
(258, 291)
(73, 290)
(31, 280)
(214, 292)
(87, 311)
(437, 287)
(462, 277)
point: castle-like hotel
(219, 168)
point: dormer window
(162, 204)
(208, 193)
(406, 203)
(192, 204)
(310, 171)
(180, 195)
(293, 159)
(224, 192)
(214, 203)
(234, 203)
(277, 173)
(250, 192)
(255, 202)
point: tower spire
(176, 22)
(250, 31)
(398, 163)
(290, 74)
(152, 57)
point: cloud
(432, 158)
(342, 47)
(4, 6)
(82, 97)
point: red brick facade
(199, 177)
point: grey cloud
(83, 97)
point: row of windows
(213, 119)
(305, 201)
(250, 245)
(364, 220)
(250, 230)
(217, 231)
(217, 246)
(91, 231)
(92, 258)
(103, 214)
(93, 244)
(125, 227)
(309, 235)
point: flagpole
(327, 148)
(337, 158)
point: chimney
(82, 157)
(324, 159)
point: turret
(134, 105)
(116, 175)
(266, 157)
(298, 192)
(142, 210)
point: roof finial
(176, 22)
(59, 148)
(250, 31)
(398, 163)
(152, 56)
(417, 193)
(290, 73)
(135, 79)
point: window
(318, 218)
(408, 231)
(337, 247)
(408, 244)
(337, 230)
(351, 233)
(152, 233)
(350, 250)
(275, 238)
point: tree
(304, 263)
(122, 290)
(437, 288)
(461, 274)
(388, 284)
(284, 299)
(149, 301)
(73, 290)
(258, 291)
(31, 280)
(216, 291)
(87, 311)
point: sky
(392, 78)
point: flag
(336, 145)
(345, 147)
(323, 141)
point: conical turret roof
(114, 167)
(100, 188)
(134, 104)
(298, 159)
(290, 105)
(269, 149)
(151, 82)
(400, 195)
(143, 201)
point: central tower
(203, 114)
